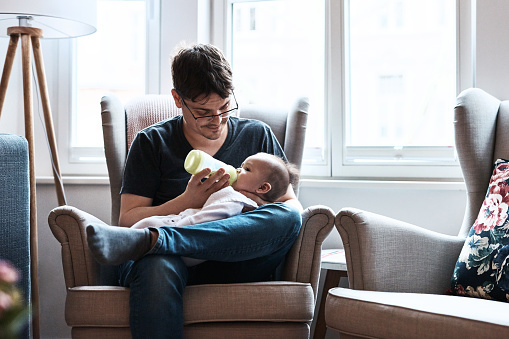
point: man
(243, 248)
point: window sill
(383, 184)
(304, 183)
(74, 180)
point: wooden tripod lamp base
(30, 39)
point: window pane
(278, 55)
(402, 56)
(110, 61)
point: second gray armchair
(399, 273)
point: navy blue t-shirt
(155, 164)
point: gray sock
(113, 245)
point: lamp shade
(57, 18)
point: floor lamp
(28, 21)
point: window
(115, 61)
(110, 61)
(277, 54)
(400, 83)
(382, 76)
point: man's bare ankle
(154, 234)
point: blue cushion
(15, 206)
(482, 269)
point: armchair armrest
(303, 261)
(68, 225)
(384, 254)
(113, 118)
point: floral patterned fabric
(482, 269)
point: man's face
(197, 115)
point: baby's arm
(157, 221)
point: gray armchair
(95, 308)
(399, 273)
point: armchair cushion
(265, 301)
(482, 269)
(375, 314)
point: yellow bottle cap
(193, 162)
(233, 174)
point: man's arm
(291, 199)
(133, 207)
(288, 198)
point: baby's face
(251, 174)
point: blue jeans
(244, 248)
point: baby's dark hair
(280, 175)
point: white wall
(436, 209)
(492, 66)
(94, 199)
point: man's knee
(285, 215)
(280, 222)
(154, 269)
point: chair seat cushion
(376, 314)
(266, 301)
(97, 306)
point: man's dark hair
(200, 70)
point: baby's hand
(248, 208)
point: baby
(262, 174)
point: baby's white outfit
(222, 204)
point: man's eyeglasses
(223, 115)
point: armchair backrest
(121, 124)
(481, 122)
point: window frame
(76, 160)
(334, 165)
(223, 12)
(386, 162)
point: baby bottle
(197, 160)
